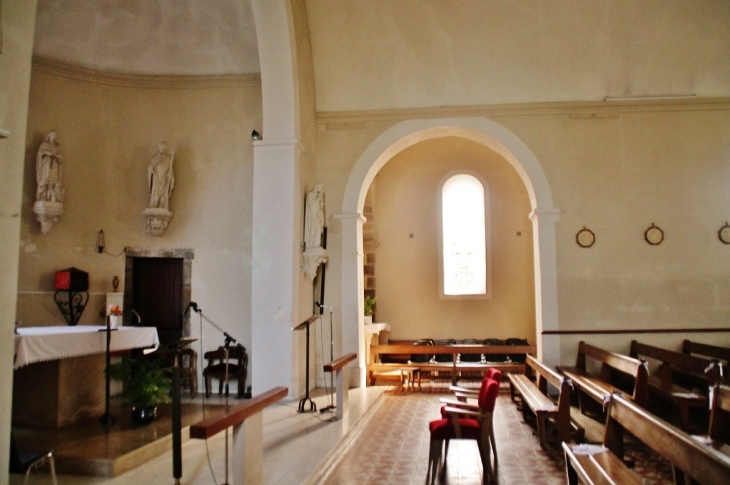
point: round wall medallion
(654, 235)
(724, 233)
(585, 238)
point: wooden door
(157, 295)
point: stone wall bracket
(47, 213)
(313, 257)
(156, 221)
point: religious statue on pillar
(48, 207)
(160, 182)
(314, 253)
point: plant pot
(368, 319)
(144, 415)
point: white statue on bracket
(48, 206)
(314, 253)
(160, 182)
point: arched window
(464, 237)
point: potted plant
(145, 384)
(369, 304)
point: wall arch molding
(499, 139)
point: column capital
(545, 214)
(350, 216)
(278, 142)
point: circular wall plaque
(585, 238)
(654, 235)
(724, 233)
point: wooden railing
(247, 422)
(339, 367)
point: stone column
(353, 336)
(546, 290)
(275, 264)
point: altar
(59, 371)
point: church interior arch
(489, 147)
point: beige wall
(108, 129)
(615, 168)
(18, 20)
(382, 54)
(406, 203)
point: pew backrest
(688, 455)
(622, 363)
(675, 360)
(713, 351)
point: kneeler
(467, 421)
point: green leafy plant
(145, 381)
(369, 304)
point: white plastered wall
(18, 22)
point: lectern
(303, 403)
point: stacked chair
(464, 420)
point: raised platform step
(88, 449)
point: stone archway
(513, 150)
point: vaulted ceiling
(170, 37)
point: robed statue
(161, 178)
(48, 170)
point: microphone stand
(226, 345)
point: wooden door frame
(186, 254)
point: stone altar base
(87, 449)
(59, 393)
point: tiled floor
(393, 449)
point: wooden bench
(599, 388)
(339, 367)
(532, 387)
(665, 388)
(690, 458)
(720, 414)
(719, 356)
(453, 370)
(248, 434)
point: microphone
(139, 319)
(194, 307)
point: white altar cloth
(37, 344)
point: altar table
(59, 371)
(38, 344)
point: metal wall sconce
(100, 244)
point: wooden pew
(720, 414)
(599, 388)
(663, 386)
(248, 434)
(452, 369)
(720, 356)
(532, 387)
(339, 367)
(713, 351)
(690, 458)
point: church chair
(462, 394)
(216, 368)
(189, 370)
(465, 421)
(25, 462)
